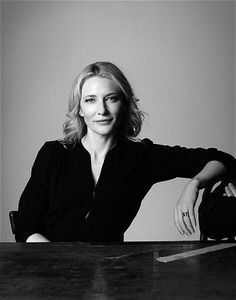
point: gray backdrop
(179, 57)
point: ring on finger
(185, 214)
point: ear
(81, 113)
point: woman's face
(100, 105)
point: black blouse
(61, 201)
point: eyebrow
(109, 94)
(89, 96)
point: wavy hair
(74, 128)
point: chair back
(206, 207)
(13, 216)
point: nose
(102, 108)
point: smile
(106, 121)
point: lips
(103, 121)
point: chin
(105, 132)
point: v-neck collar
(103, 171)
(96, 184)
(83, 147)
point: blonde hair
(74, 128)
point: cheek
(86, 112)
(118, 109)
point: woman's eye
(89, 100)
(112, 99)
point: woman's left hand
(185, 219)
(230, 189)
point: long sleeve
(33, 201)
(168, 162)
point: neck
(98, 146)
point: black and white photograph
(118, 147)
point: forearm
(37, 238)
(212, 172)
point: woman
(89, 186)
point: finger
(232, 188)
(177, 222)
(182, 223)
(228, 191)
(192, 219)
(188, 222)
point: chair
(13, 216)
(205, 197)
(204, 238)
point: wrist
(195, 182)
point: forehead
(99, 85)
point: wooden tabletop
(121, 271)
